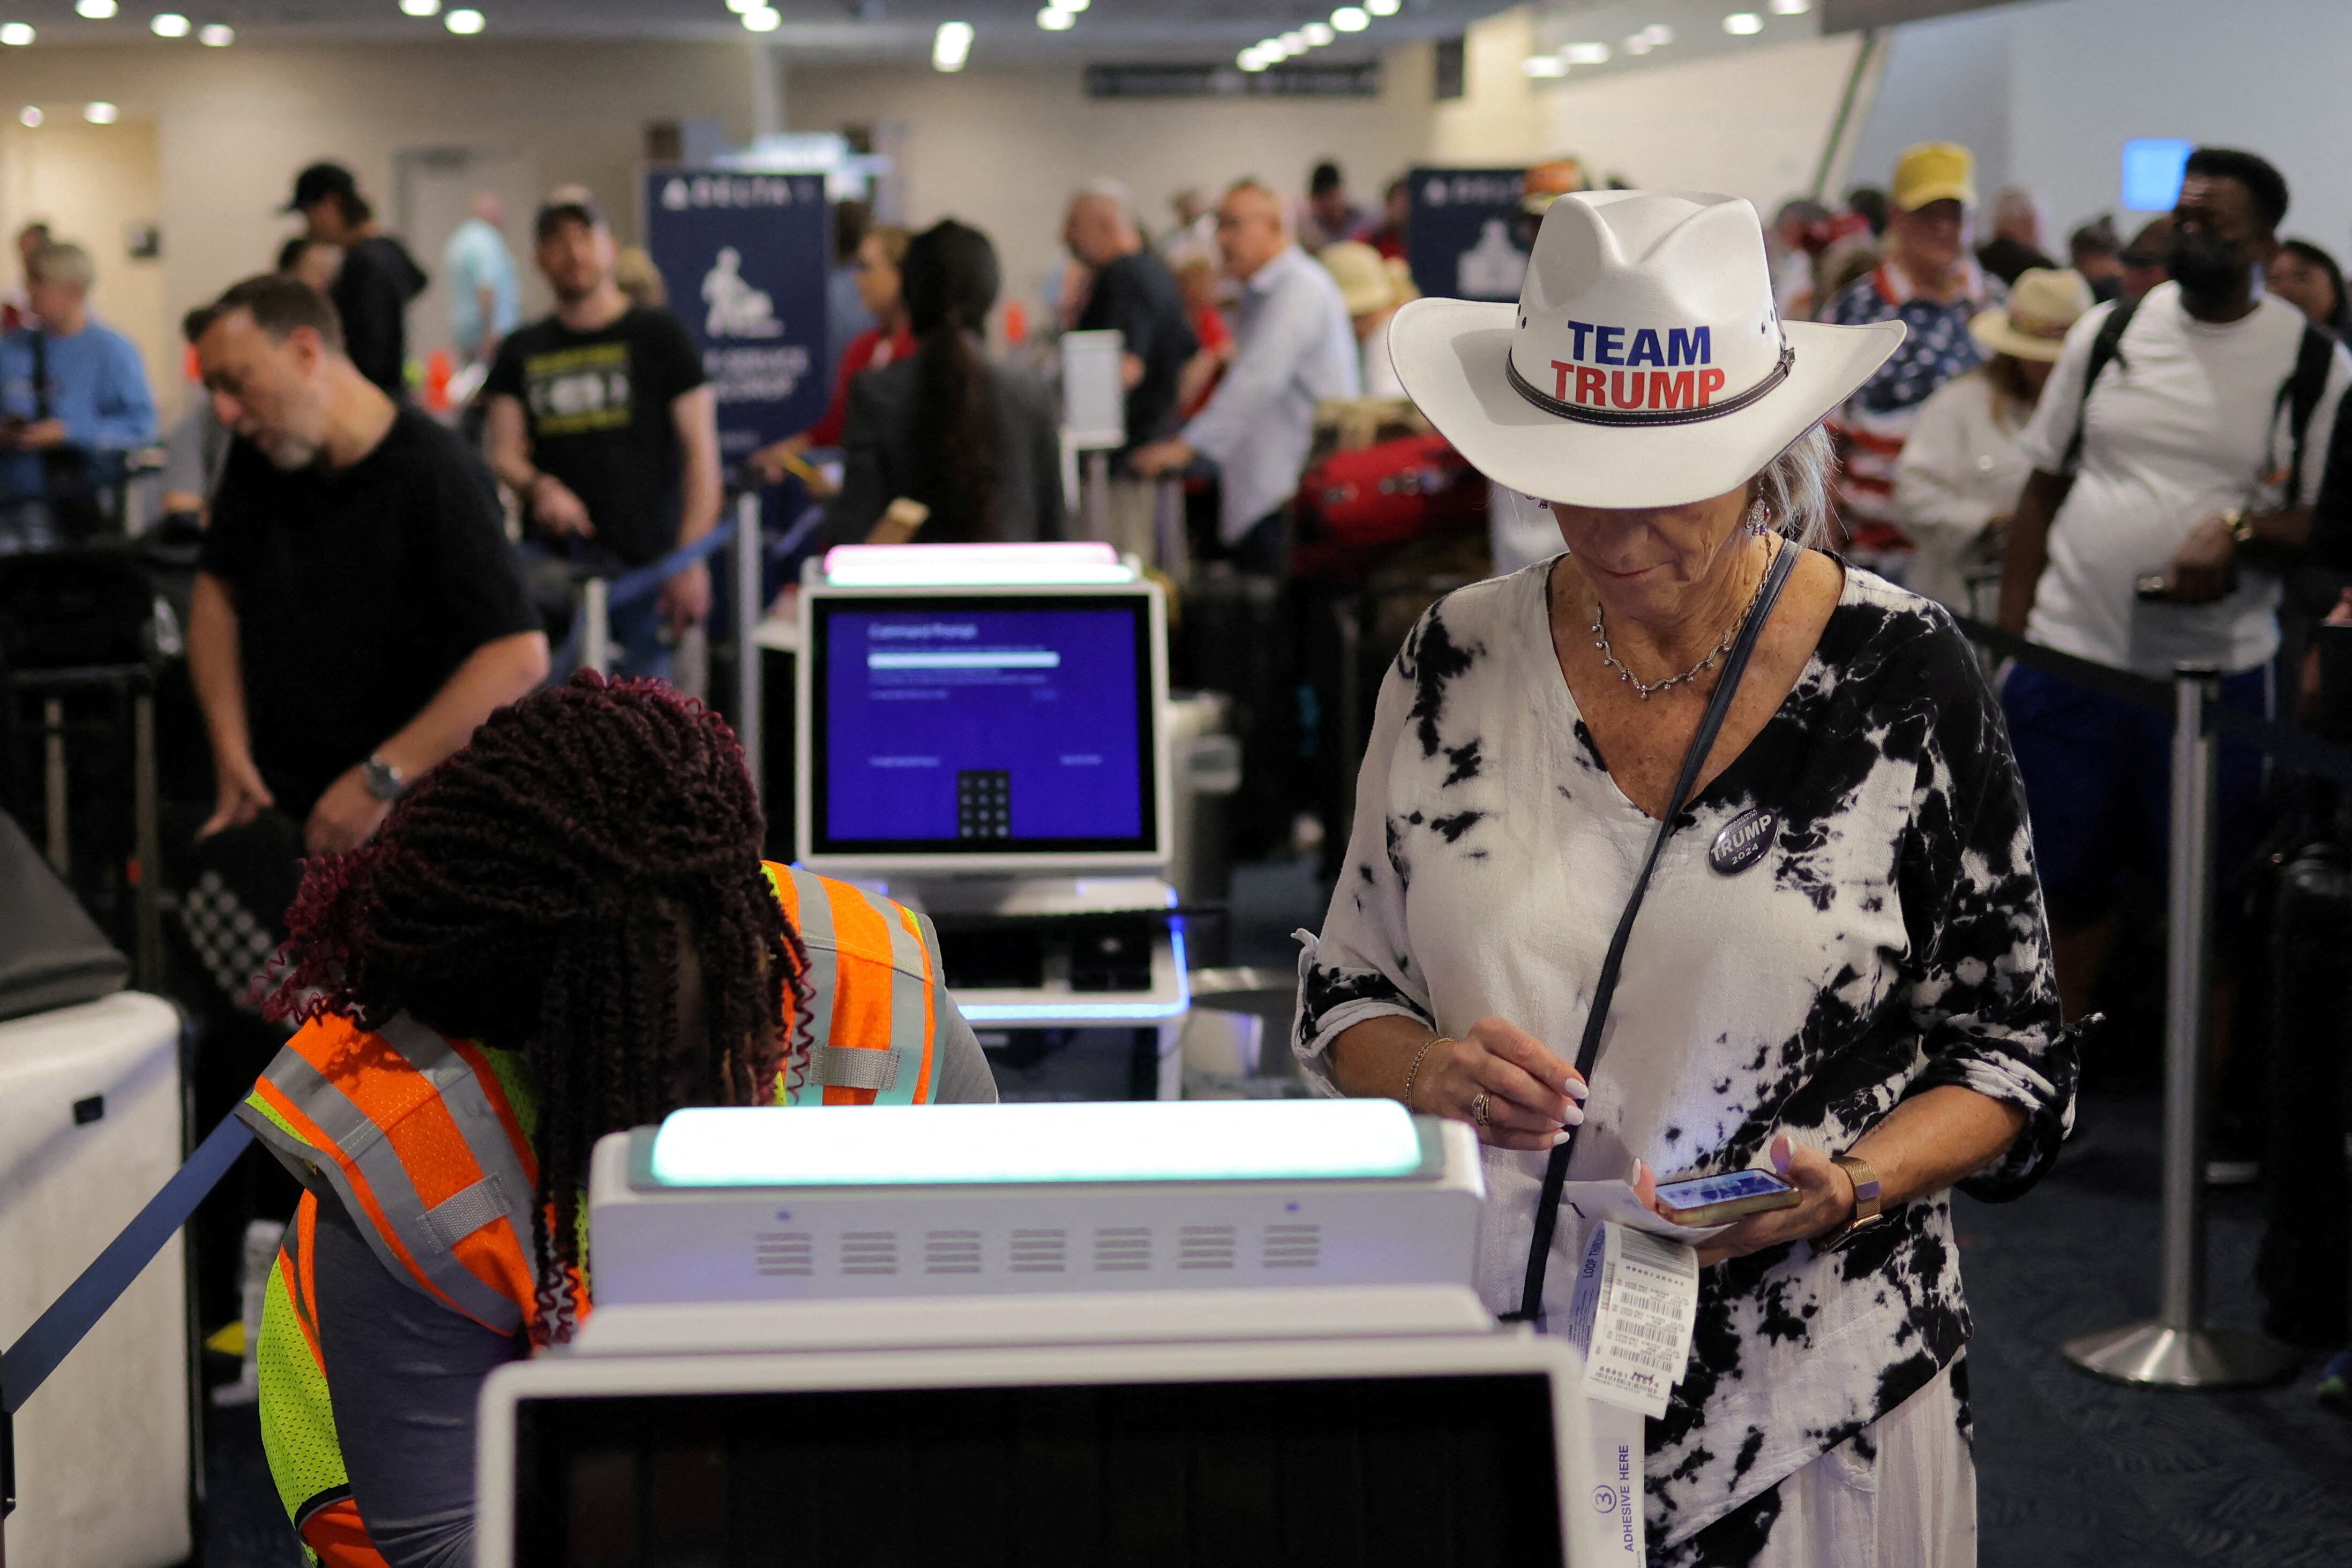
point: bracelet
(1414, 1070)
(2242, 531)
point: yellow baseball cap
(1934, 172)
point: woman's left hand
(1827, 1202)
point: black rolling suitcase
(2304, 1268)
(1237, 634)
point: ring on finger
(1480, 1111)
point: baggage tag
(1635, 1307)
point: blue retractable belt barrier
(36, 1353)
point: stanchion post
(597, 626)
(750, 558)
(1094, 495)
(2180, 1349)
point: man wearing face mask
(2182, 436)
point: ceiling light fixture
(216, 34)
(420, 7)
(1383, 7)
(1317, 34)
(1544, 67)
(1294, 43)
(1054, 21)
(101, 112)
(1743, 24)
(1072, 6)
(739, 6)
(465, 24)
(1790, 7)
(169, 25)
(16, 35)
(94, 10)
(1586, 54)
(950, 46)
(30, 115)
(1351, 18)
(763, 19)
(1659, 34)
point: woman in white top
(1842, 967)
(1963, 470)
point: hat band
(1587, 415)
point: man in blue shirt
(73, 399)
(484, 304)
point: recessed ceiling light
(466, 22)
(421, 7)
(1743, 24)
(1054, 21)
(763, 19)
(1294, 43)
(1072, 6)
(16, 35)
(951, 46)
(216, 34)
(101, 112)
(1790, 7)
(96, 10)
(1544, 66)
(739, 6)
(169, 25)
(30, 114)
(1317, 34)
(1252, 61)
(1351, 18)
(1586, 54)
(1383, 7)
(1659, 34)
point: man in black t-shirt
(601, 420)
(376, 279)
(357, 612)
(1134, 294)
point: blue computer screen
(983, 726)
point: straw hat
(1645, 364)
(2043, 303)
(1365, 284)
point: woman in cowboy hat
(1841, 970)
(1961, 470)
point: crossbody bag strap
(1776, 577)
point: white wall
(1003, 150)
(2050, 93)
(232, 127)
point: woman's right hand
(1532, 1096)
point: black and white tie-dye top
(1890, 939)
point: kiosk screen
(983, 726)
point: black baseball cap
(319, 182)
(572, 204)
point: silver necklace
(1648, 689)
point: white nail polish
(1559, 1137)
(1575, 1117)
(1579, 1092)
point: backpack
(2299, 394)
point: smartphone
(1715, 1199)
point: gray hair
(59, 262)
(1113, 190)
(1794, 488)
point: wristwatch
(2241, 530)
(1865, 1215)
(383, 781)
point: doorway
(435, 189)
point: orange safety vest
(426, 1143)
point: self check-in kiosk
(984, 737)
(1209, 1333)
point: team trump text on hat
(1603, 367)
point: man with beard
(2183, 436)
(357, 612)
(602, 421)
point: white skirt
(1902, 1494)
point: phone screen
(1700, 1192)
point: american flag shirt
(1875, 422)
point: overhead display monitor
(2153, 168)
(964, 729)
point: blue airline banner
(745, 257)
(1463, 239)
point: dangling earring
(1759, 518)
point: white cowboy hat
(1645, 364)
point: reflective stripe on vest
(298, 1418)
(874, 983)
(414, 1135)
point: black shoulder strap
(2299, 396)
(2105, 349)
(1588, 1051)
(40, 375)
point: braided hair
(538, 892)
